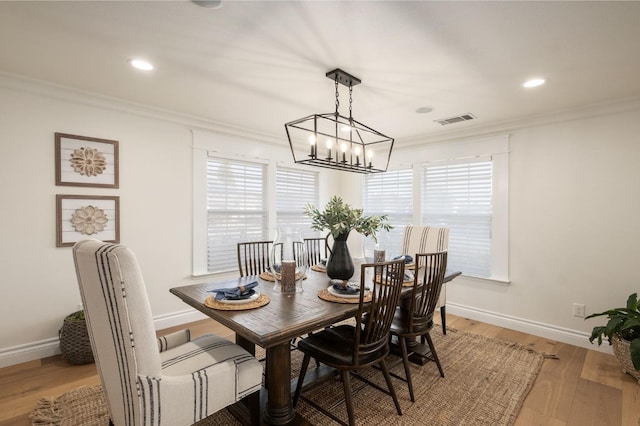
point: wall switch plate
(578, 310)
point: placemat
(404, 283)
(268, 276)
(325, 295)
(260, 301)
(319, 268)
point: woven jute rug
(486, 381)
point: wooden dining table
(273, 327)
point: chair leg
(392, 390)
(303, 372)
(407, 369)
(434, 353)
(346, 384)
(443, 318)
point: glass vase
(289, 260)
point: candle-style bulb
(312, 142)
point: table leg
(279, 410)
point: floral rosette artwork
(89, 220)
(88, 161)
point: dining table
(273, 327)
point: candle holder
(289, 261)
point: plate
(331, 290)
(251, 298)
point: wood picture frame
(80, 217)
(86, 161)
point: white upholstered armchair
(428, 239)
(172, 381)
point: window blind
(236, 210)
(458, 195)
(294, 189)
(389, 193)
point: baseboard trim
(548, 331)
(49, 347)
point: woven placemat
(404, 283)
(268, 276)
(319, 268)
(260, 301)
(325, 295)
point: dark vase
(340, 265)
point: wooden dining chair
(349, 348)
(417, 319)
(316, 250)
(253, 257)
(428, 239)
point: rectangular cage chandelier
(337, 142)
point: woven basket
(74, 341)
(623, 353)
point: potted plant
(339, 218)
(623, 332)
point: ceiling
(256, 65)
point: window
(236, 209)
(458, 195)
(389, 193)
(294, 189)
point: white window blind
(236, 210)
(294, 189)
(458, 195)
(389, 193)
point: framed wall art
(79, 217)
(86, 161)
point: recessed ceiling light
(141, 64)
(534, 82)
(424, 110)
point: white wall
(573, 204)
(574, 228)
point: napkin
(236, 293)
(407, 258)
(351, 288)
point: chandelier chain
(337, 95)
(350, 102)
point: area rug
(486, 381)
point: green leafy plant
(76, 316)
(339, 218)
(623, 322)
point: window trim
(496, 147)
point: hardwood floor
(581, 387)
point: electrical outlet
(578, 310)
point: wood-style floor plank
(580, 387)
(596, 404)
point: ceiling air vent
(456, 119)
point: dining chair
(316, 250)
(253, 257)
(417, 319)
(148, 381)
(349, 348)
(428, 239)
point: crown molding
(558, 116)
(92, 99)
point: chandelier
(337, 142)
